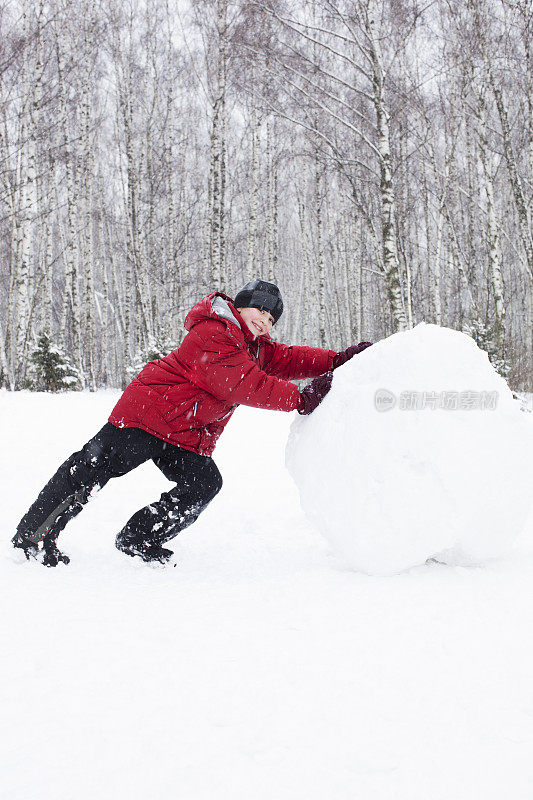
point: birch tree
(372, 158)
(337, 69)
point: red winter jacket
(188, 397)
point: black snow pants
(113, 452)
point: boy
(174, 411)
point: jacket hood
(220, 307)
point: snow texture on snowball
(391, 489)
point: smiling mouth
(257, 327)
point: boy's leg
(112, 452)
(197, 482)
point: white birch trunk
(272, 208)
(134, 233)
(28, 195)
(223, 180)
(10, 194)
(321, 288)
(251, 256)
(436, 270)
(87, 166)
(306, 271)
(4, 366)
(361, 306)
(71, 301)
(493, 236)
(349, 282)
(526, 233)
(390, 256)
(218, 156)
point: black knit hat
(260, 294)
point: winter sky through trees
(374, 158)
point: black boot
(52, 555)
(148, 551)
(49, 554)
(155, 552)
(30, 548)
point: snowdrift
(419, 451)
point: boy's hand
(351, 351)
(313, 394)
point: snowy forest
(374, 158)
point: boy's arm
(226, 370)
(295, 362)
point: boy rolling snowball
(174, 411)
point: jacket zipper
(194, 408)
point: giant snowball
(418, 451)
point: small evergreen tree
(156, 348)
(484, 337)
(51, 369)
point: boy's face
(257, 321)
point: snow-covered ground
(261, 666)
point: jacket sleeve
(293, 363)
(225, 369)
